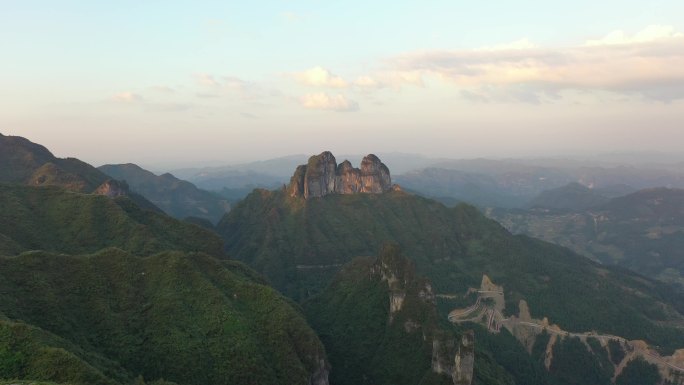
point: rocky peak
(323, 176)
(112, 188)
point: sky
(207, 82)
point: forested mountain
(53, 219)
(176, 197)
(643, 231)
(28, 163)
(110, 317)
(95, 289)
(299, 244)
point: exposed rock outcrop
(450, 357)
(488, 311)
(112, 188)
(322, 176)
(321, 373)
(461, 367)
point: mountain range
(643, 231)
(340, 277)
(95, 289)
(300, 244)
(178, 198)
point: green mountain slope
(22, 161)
(109, 317)
(28, 163)
(176, 197)
(643, 231)
(53, 219)
(379, 324)
(300, 244)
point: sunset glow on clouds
(224, 76)
(650, 64)
(323, 101)
(320, 77)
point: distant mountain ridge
(573, 196)
(515, 182)
(178, 198)
(28, 163)
(643, 231)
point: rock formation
(461, 367)
(322, 176)
(112, 188)
(450, 357)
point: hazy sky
(193, 81)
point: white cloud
(648, 34)
(323, 101)
(163, 89)
(390, 79)
(367, 82)
(217, 86)
(320, 77)
(206, 80)
(650, 64)
(126, 97)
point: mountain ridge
(178, 198)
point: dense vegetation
(299, 244)
(352, 317)
(176, 197)
(638, 372)
(366, 343)
(28, 163)
(25, 162)
(53, 219)
(574, 364)
(521, 366)
(187, 317)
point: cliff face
(322, 176)
(112, 188)
(379, 323)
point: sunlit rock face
(112, 188)
(322, 176)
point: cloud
(163, 89)
(323, 101)
(137, 102)
(320, 77)
(217, 86)
(649, 63)
(389, 79)
(206, 80)
(126, 97)
(649, 34)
